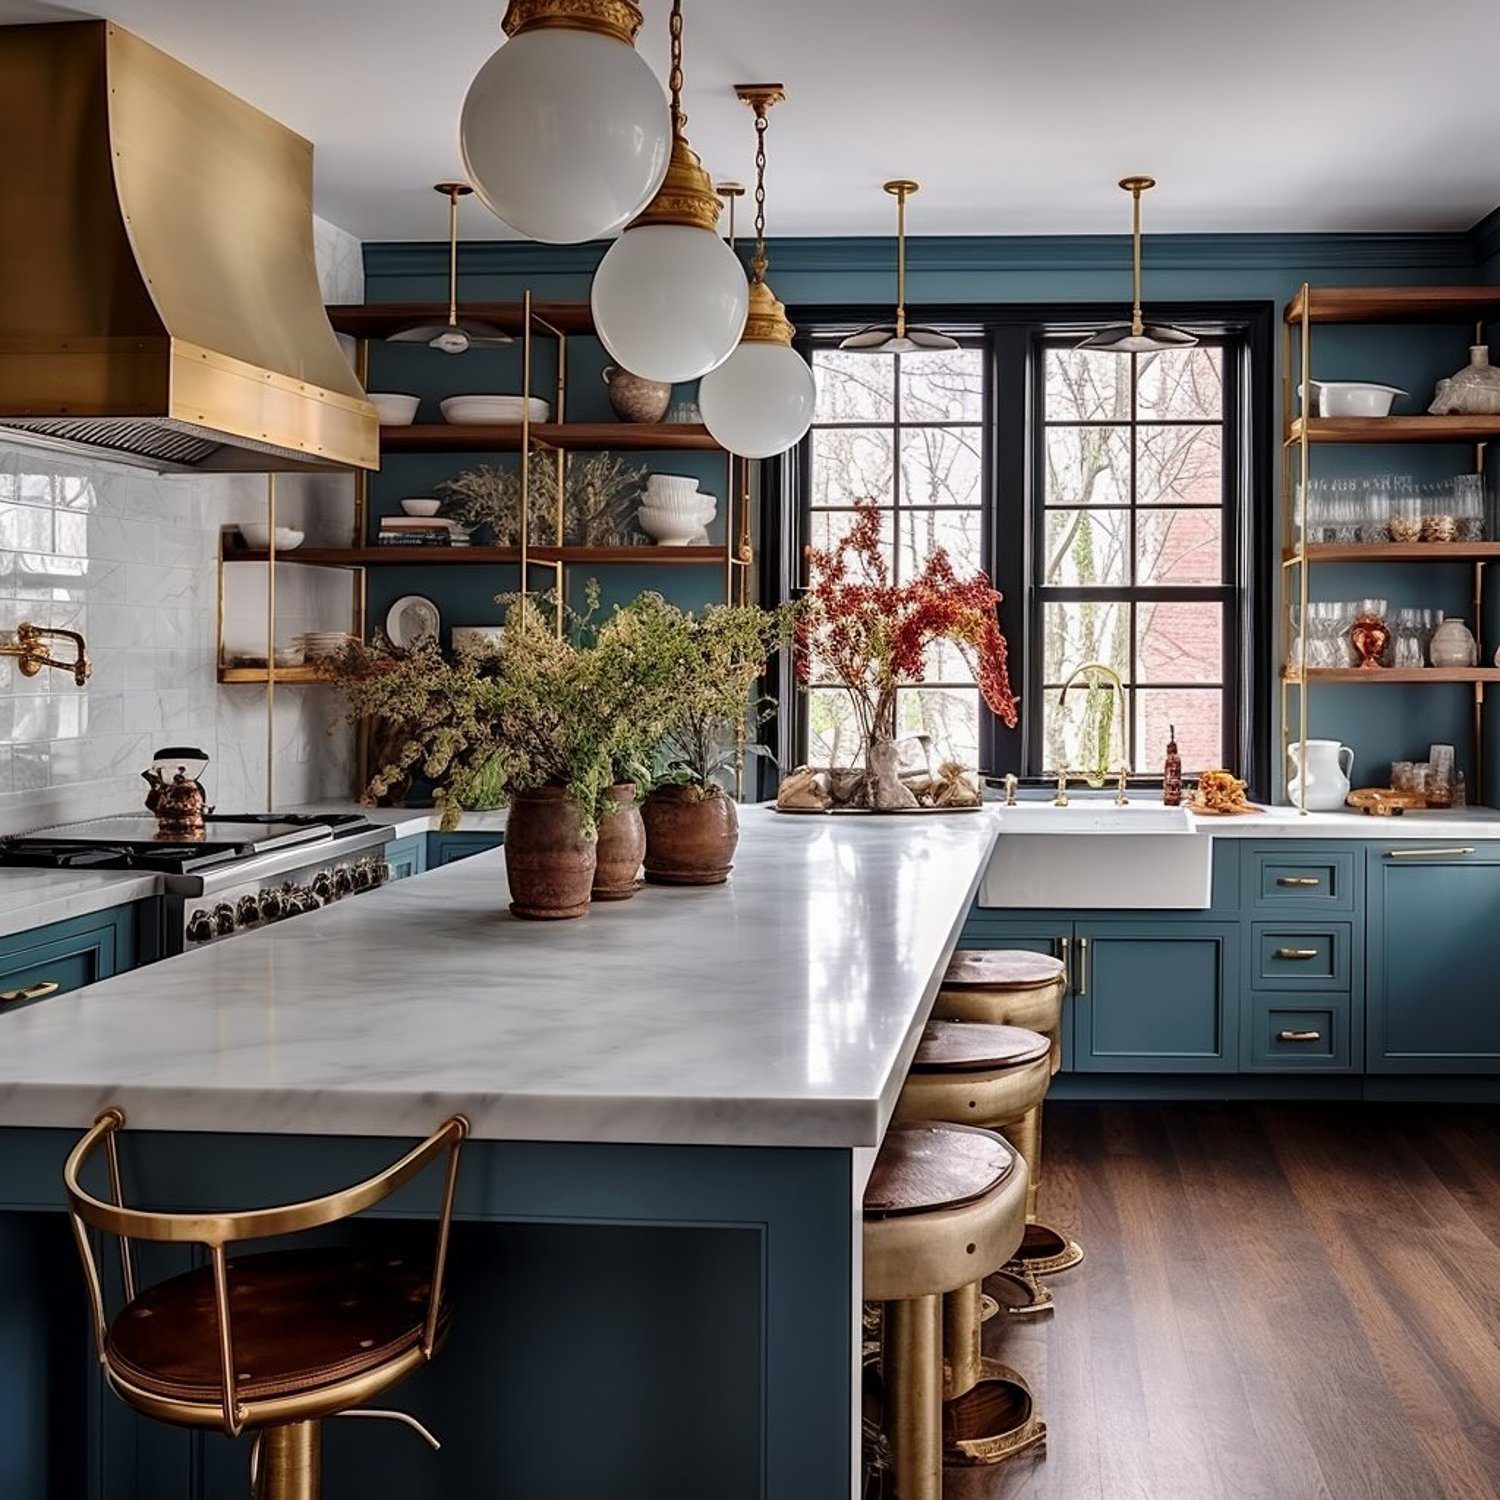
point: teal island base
(652, 1321)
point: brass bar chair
(1014, 987)
(270, 1343)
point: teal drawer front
(1295, 956)
(1295, 1033)
(407, 857)
(36, 965)
(444, 848)
(1302, 880)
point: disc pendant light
(457, 335)
(565, 132)
(899, 337)
(669, 297)
(1138, 336)
(759, 402)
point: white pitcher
(1327, 775)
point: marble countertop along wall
(781, 1009)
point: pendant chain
(674, 80)
(762, 124)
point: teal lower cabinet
(63, 956)
(444, 848)
(1155, 997)
(1433, 994)
(407, 857)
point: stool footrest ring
(1021, 1294)
(1046, 1251)
(993, 1421)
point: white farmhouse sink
(1094, 856)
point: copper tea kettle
(177, 796)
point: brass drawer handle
(1065, 946)
(1299, 1036)
(1297, 953)
(1426, 853)
(1083, 969)
(32, 991)
(1298, 880)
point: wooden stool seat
(1001, 968)
(305, 1321)
(976, 1046)
(935, 1167)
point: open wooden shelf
(411, 557)
(378, 320)
(1395, 304)
(506, 437)
(303, 674)
(1396, 552)
(1389, 676)
(1394, 430)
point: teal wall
(1394, 723)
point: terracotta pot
(549, 864)
(690, 835)
(634, 398)
(622, 846)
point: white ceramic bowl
(257, 536)
(1352, 398)
(659, 486)
(475, 409)
(420, 507)
(394, 410)
(669, 530)
(690, 504)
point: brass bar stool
(270, 1343)
(944, 1205)
(1013, 987)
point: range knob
(247, 911)
(364, 876)
(272, 906)
(224, 923)
(343, 880)
(322, 886)
(200, 927)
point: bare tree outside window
(905, 431)
(1132, 567)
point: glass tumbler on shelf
(1404, 523)
(1468, 507)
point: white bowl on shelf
(472, 410)
(257, 536)
(670, 529)
(393, 409)
(1352, 398)
(660, 487)
(691, 504)
(418, 506)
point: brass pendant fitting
(619, 19)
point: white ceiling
(1256, 115)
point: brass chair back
(215, 1231)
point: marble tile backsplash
(130, 560)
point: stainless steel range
(245, 871)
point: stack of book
(421, 531)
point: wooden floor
(1288, 1301)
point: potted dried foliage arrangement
(601, 493)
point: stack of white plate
(316, 643)
(470, 410)
(675, 512)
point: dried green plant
(601, 493)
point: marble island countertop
(781, 1009)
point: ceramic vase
(548, 861)
(691, 834)
(1453, 645)
(1326, 773)
(1473, 392)
(621, 846)
(634, 398)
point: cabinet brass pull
(1083, 968)
(1065, 952)
(32, 991)
(1297, 953)
(1299, 1036)
(1426, 853)
(1298, 880)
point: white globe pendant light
(670, 297)
(565, 132)
(760, 401)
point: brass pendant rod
(1137, 322)
(901, 263)
(270, 642)
(453, 257)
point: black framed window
(1134, 558)
(907, 432)
(1121, 504)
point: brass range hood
(159, 299)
